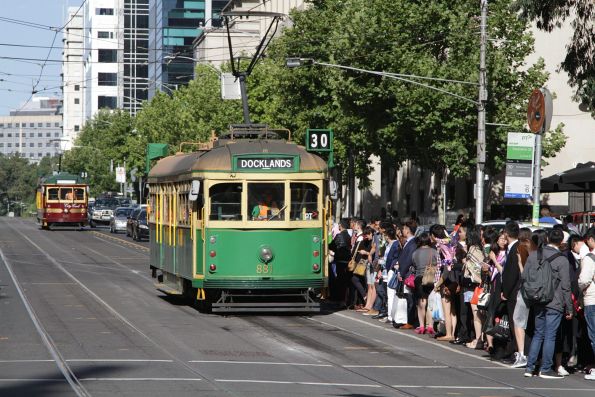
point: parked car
(119, 220)
(130, 220)
(140, 228)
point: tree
(108, 137)
(395, 119)
(18, 179)
(579, 62)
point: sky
(18, 77)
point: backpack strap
(592, 256)
(553, 257)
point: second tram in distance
(62, 200)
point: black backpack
(539, 285)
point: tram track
(61, 362)
(278, 329)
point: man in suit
(341, 246)
(388, 260)
(405, 262)
(511, 274)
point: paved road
(79, 316)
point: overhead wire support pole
(481, 117)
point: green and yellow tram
(241, 225)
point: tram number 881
(264, 269)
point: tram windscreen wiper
(280, 211)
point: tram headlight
(213, 239)
(266, 254)
(315, 239)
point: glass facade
(174, 26)
(136, 54)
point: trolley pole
(481, 117)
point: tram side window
(304, 202)
(266, 201)
(79, 194)
(53, 193)
(226, 202)
(66, 193)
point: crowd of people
(525, 297)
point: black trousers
(465, 317)
(340, 282)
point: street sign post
(321, 140)
(539, 118)
(519, 165)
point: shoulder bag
(429, 276)
(352, 263)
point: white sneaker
(590, 376)
(520, 361)
(562, 371)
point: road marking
(138, 379)
(558, 389)
(116, 360)
(32, 380)
(25, 361)
(408, 336)
(119, 240)
(259, 363)
(452, 387)
(282, 382)
(398, 366)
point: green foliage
(18, 179)
(395, 119)
(579, 62)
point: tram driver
(266, 208)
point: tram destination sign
(271, 163)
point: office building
(32, 132)
(174, 26)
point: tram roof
(220, 157)
(62, 178)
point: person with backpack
(586, 282)
(545, 287)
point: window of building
(56, 144)
(56, 134)
(9, 144)
(39, 144)
(9, 125)
(31, 154)
(110, 79)
(30, 125)
(17, 145)
(102, 34)
(40, 134)
(17, 125)
(1, 125)
(9, 135)
(48, 144)
(48, 125)
(31, 144)
(31, 135)
(56, 124)
(39, 125)
(76, 127)
(48, 154)
(1, 144)
(1, 135)
(48, 134)
(39, 154)
(107, 56)
(77, 101)
(110, 102)
(17, 135)
(77, 87)
(104, 11)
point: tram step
(166, 289)
(251, 307)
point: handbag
(360, 267)
(476, 293)
(352, 263)
(501, 329)
(483, 300)
(410, 280)
(393, 283)
(429, 276)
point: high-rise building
(174, 26)
(34, 131)
(72, 76)
(135, 69)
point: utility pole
(481, 116)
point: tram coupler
(200, 294)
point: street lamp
(408, 78)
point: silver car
(118, 221)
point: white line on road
(452, 387)
(558, 389)
(116, 360)
(32, 380)
(408, 336)
(25, 361)
(137, 379)
(398, 366)
(281, 382)
(259, 363)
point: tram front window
(79, 194)
(226, 202)
(266, 201)
(66, 193)
(304, 202)
(53, 193)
